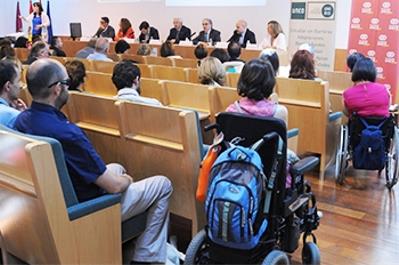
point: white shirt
(279, 43)
(99, 57)
(8, 115)
(131, 94)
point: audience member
(121, 46)
(255, 86)
(179, 31)
(77, 73)
(275, 37)
(234, 51)
(56, 46)
(39, 50)
(89, 49)
(6, 50)
(48, 82)
(242, 34)
(352, 59)
(38, 22)
(271, 56)
(168, 51)
(200, 52)
(144, 49)
(221, 54)
(100, 53)
(105, 30)
(126, 78)
(125, 30)
(366, 97)
(21, 42)
(147, 33)
(211, 72)
(208, 34)
(302, 66)
(10, 104)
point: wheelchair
(350, 137)
(292, 211)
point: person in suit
(147, 32)
(179, 31)
(105, 30)
(209, 34)
(242, 34)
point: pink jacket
(367, 99)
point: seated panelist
(242, 34)
(208, 34)
(179, 31)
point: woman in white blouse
(275, 38)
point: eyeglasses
(66, 82)
(204, 24)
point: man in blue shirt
(48, 84)
(10, 104)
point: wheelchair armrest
(91, 206)
(292, 133)
(334, 116)
(304, 165)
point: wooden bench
(168, 73)
(308, 110)
(166, 141)
(99, 84)
(103, 67)
(192, 75)
(39, 223)
(232, 79)
(338, 82)
(156, 60)
(185, 63)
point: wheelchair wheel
(276, 257)
(341, 155)
(391, 166)
(310, 254)
(197, 250)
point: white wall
(88, 13)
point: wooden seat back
(156, 60)
(99, 84)
(168, 73)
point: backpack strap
(270, 183)
(365, 124)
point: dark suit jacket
(153, 35)
(249, 36)
(185, 33)
(214, 35)
(108, 33)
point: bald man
(179, 31)
(48, 84)
(242, 34)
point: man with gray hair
(89, 49)
(48, 84)
(209, 34)
(101, 50)
(179, 31)
(242, 34)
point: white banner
(313, 22)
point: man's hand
(19, 104)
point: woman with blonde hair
(211, 72)
(275, 37)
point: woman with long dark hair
(125, 30)
(38, 22)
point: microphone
(193, 34)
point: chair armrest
(334, 116)
(94, 205)
(304, 165)
(292, 133)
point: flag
(18, 23)
(49, 28)
(30, 7)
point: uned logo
(356, 20)
(394, 24)
(371, 53)
(386, 8)
(364, 40)
(351, 51)
(390, 57)
(391, 54)
(375, 21)
(383, 37)
(382, 40)
(356, 23)
(375, 24)
(380, 72)
(367, 8)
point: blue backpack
(234, 197)
(370, 152)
